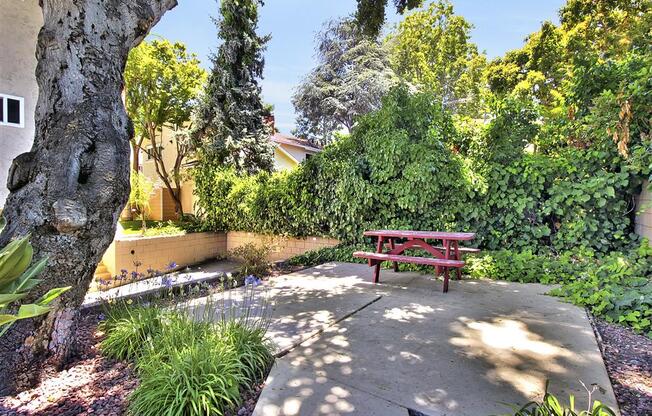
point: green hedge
(406, 166)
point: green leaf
(51, 295)
(6, 299)
(7, 319)
(25, 281)
(31, 310)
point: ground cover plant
(550, 405)
(189, 362)
(158, 228)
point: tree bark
(69, 189)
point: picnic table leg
(391, 247)
(379, 249)
(457, 257)
(445, 280)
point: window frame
(5, 110)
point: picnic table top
(435, 235)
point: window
(150, 154)
(12, 111)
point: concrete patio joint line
(289, 348)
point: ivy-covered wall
(410, 166)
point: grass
(154, 228)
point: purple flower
(252, 280)
(171, 266)
(124, 272)
(101, 317)
(167, 281)
(134, 275)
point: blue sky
(500, 25)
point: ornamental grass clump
(197, 357)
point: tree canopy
(230, 128)
(370, 14)
(432, 48)
(351, 77)
(162, 81)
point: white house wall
(20, 22)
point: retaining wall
(158, 252)
(282, 247)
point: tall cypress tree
(229, 126)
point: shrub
(617, 287)
(254, 259)
(407, 166)
(197, 375)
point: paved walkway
(195, 275)
(404, 346)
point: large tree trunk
(69, 189)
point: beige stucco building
(20, 22)
(289, 151)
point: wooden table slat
(438, 235)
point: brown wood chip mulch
(628, 357)
(90, 385)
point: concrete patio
(348, 347)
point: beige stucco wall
(188, 198)
(169, 154)
(282, 161)
(643, 223)
(297, 152)
(158, 252)
(282, 247)
(20, 22)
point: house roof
(294, 141)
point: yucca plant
(17, 278)
(551, 406)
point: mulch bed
(628, 357)
(90, 385)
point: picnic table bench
(444, 256)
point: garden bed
(92, 384)
(628, 358)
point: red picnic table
(444, 256)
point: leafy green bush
(526, 267)
(253, 257)
(617, 287)
(407, 166)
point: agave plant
(17, 278)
